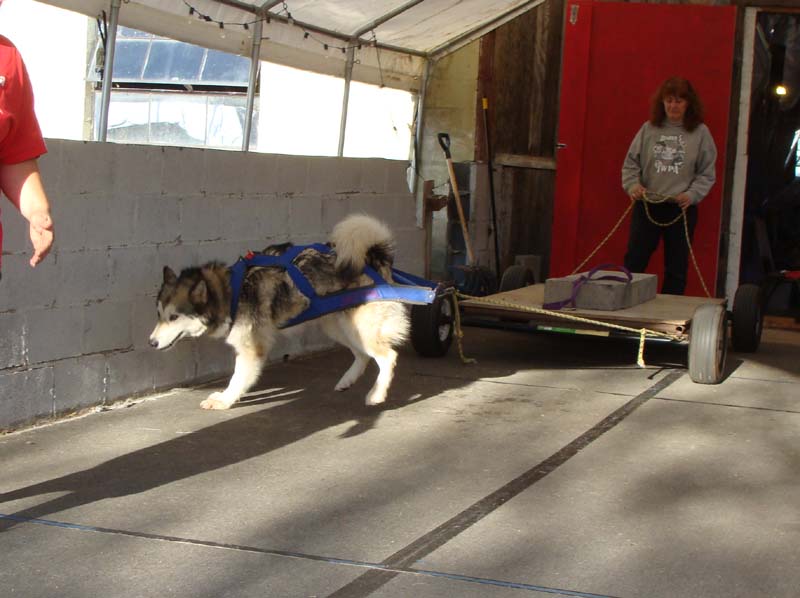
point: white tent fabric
(391, 39)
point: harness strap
(418, 290)
(589, 276)
(285, 260)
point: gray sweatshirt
(670, 160)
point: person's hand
(636, 191)
(41, 235)
(683, 200)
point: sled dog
(198, 303)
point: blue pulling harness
(411, 289)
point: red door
(615, 57)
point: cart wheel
(747, 320)
(708, 344)
(432, 326)
(515, 277)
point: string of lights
(286, 13)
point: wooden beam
(522, 161)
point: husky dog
(198, 303)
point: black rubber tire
(747, 319)
(515, 277)
(432, 326)
(708, 344)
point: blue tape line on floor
(377, 567)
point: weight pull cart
(703, 324)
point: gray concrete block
(71, 219)
(397, 177)
(25, 396)
(12, 340)
(176, 366)
(260, 174)
(200, 219)
(110, 221)
(602, 294)
(244, 219)
(305, 216)
(331, 176)
(87, 168)
(143, 321)
(399, 211)
(129, 373)
(184, 171)
(16, 230)
(276, 216)
(50, 165)
(322, 175)
(291, 174)
(23, 287)
(218, 251)
(224, 170)
(348, 175)
(374, 175)
(157, 219)
(334, 210)
(137, 169)
(79, 383)
(54, 333)
(134, 271)
(214, 358)
(107, 326)
(176, 256)
(410, 251)
(82, 276)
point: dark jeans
(644, 237)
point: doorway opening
(771, 223)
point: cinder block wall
(74, 330)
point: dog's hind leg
(354, 372)
(386, 358)
(250, 358)
(339, 329)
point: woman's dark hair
(681, 88)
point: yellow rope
(604, 241)
(651, 197)
(460, 333)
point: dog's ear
(199, 294)
(169, 276)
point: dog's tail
(360, 239)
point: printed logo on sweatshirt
(669, 152)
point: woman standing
(671, 156)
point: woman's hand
(41, 235)
(636, 191)
(683, 200)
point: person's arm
(632, 168)
(22, 184)
(705, 173)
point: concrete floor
(553, 466)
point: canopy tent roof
(391, 39)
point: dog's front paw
(216, 400)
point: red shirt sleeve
(20, 135)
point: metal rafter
(386, 17)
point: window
(173, 93)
